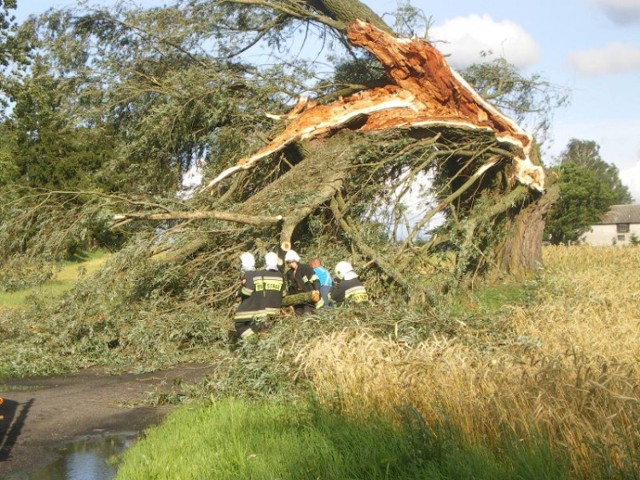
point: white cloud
(631, 178)
(614, 58)
(622, 12)
(467, 37)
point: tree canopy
(587, 154)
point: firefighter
(302, 278)
(350, 288)
(261, 293)
(247, 268)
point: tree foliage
(165, 102)
(7, 28)
(587, 154)
(583, 198)
(14, 50)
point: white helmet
(291, 256)
(271, 261)
(248, 261)
(342, 268)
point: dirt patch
(43, 413)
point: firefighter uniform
(261, 295)
(304, 279)
(348, 291)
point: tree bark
(348, 11)
(521, 252)
(211, 215)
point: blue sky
(591, 47)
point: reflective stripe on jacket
(349, 291)
(266, 287)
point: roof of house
(621, 214)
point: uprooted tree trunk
(360, 150)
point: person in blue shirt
(325, 280)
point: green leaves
(588, 187)
(582, 199)
(7, 29)
(529, 100)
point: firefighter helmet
(342, 268)
(271, 261)
(291, 256)
(248, 261)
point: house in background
(616, 227)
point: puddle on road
(94, 459)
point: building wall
(607, 235)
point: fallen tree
(334, 175)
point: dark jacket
(348, 291)
(261, 294)
(304, 280)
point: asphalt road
(43, 413)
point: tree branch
(226, 216)
(352, 232)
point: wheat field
(565, 366)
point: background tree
(50, 151)
(583, 198)
(7, 28)
(14, 48)
(587, 154)
(8, 169)
(588, 186)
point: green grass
(64, 280)
(237, 439)
(487, 300)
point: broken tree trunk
(428, 93)
(489, 177)
(521, 250)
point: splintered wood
(427, 92)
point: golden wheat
(566, 366)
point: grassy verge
(63, 281)
(232, 439)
